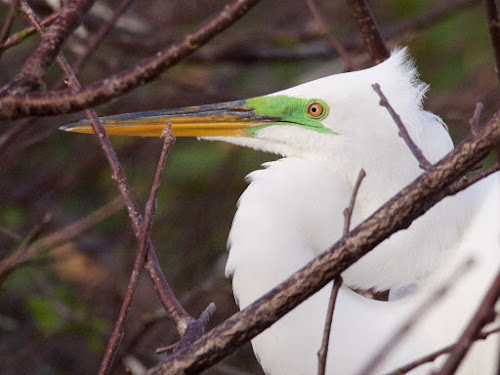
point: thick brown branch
(62, 101)
(369, 30)
(396, 214)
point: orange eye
(315, 109)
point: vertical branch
(494, 29)
(369, 30)
(119, 327)
(323, 352)
(167, 298)
(334, 43)
(10, 20)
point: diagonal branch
(10, 20)
(494, 29)
(431, 357)
(369, 30)
(431, 301)
(37, 64)
(396, 214)
(65, 234)
(18, 37)
(118, 329)
(64, 101)
(167, 298)
(403, 133)
(484, 315)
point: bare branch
(37, 64)
(10, 20)
(18, 37)
(62, 101)
(349, 210)
(494, 29)
(396, 214)
(337, 283)
(431, 357)
(101, 33)
(325, 343)
(474, 120)
(67, 233)
(369, 30)
(403, 133)
(484, 315)
(118, 329)
(430, 302)
(334, 43)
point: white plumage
(292, 210)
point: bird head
(321, 119)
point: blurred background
(57, 310)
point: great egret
(327, 130)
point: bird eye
(315, 109)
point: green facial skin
(292, 111)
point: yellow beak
(231, 119)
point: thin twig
(37, 64)
(36, 231)
(325, 343)
(464, 183)
(165, 293)
(65, 234)
(323, 352)
(484, 314)
(62, 101)
(10, 20)
(403, 132)
(337, 283)
(474, 120)
(431, 357)
(99, 36)
(349, 210)
(20, 36)
(13, 235)
(431, 301)
(119, 327)
(494, 29)
(334, 43)
(369, 30)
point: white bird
(327, 130)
